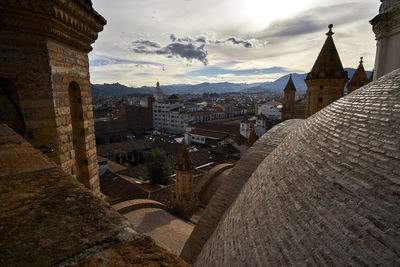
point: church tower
(44, 81)
(184, 199)
(245, 126)
(158, 93)
(359, 78)
(289, 100)
(326, 81)
(252, 138)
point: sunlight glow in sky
(191, 41)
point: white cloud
(287, 34)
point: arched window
(80, 166)
(10, 112)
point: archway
(80, 166)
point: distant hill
(116, 89)
(279, 84)
(298, 80)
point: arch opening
(80, 165)
(10, 112)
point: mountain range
(118, 90)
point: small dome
(328, 195)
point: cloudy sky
(194, 41)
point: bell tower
(326, 81)
(289, 100)
(45, 78)
(359, 78)
(184, 199)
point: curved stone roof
(226, 193)
(328, 195)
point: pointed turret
(184, 163)
(359, 78)
(289, 100)
(327, 78)
(328, 64)
(158, 93)
(184, 199)
(290, 85)
(252, 138)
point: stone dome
(329, 194)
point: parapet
(49, 218)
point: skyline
(186, 41)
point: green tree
(158, 167)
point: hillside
(116, 89)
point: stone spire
(252, 138)
(327, 78)
(328, 64)
(359, 78)
(289, 100)
(184, 163)
(290, 85)
(158, 93)
(184, 199)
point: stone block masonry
(47, 218)
(44, 69)
(227, 192)
(328, 195)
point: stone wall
(44, 67)
(47, 218)
(228, 192)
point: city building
(272, 110)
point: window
(321, 87)
(320, 99)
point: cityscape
(130, 137)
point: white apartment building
(271, 110)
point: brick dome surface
(329, 194)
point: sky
(241, 41)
